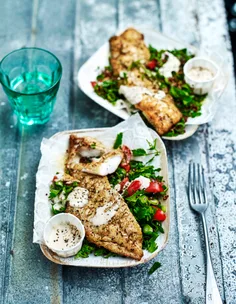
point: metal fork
(198, 202)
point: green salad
(107, 85)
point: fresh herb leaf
(154, 267)
(59, 191)
(118, 141)
(54, 193)
(139, 152)
(57, 210)
(134, 64)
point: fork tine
(200, 184)
(190, 179)
(204, 187)
(194, 183)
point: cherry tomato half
(93, 83)
(159, 215)
(154, 187)
(152, 64)
(133, 187)
(127, 155)
(125, 166)
(123, 182)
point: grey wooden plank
(11, 37)
(15, 33)
(7, 182)
(222, 143)
(196, 23)
(94, 24)
(33, 279)
(138, 286)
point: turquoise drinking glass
(30, 78)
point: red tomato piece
(159, 216)
(127, 155)
(123, 182)
(93, 83)
(125, 166)
(154, 187)
(152, 64)
(133, 187)
(54, 178)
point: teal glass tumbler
(30, 77)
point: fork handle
(212, 291)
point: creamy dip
(145, 182)
(172, 65)
(63, 236)
(104, 214)
(135, 94)
(78, 197)
(200, 74)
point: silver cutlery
(198, 202)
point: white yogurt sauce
(63, 236)
(135, 94)
(145, 182)
(104, 214)
(172, 65)
(78, 197)
(200, 74)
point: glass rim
(33, 48)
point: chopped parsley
(89, 248)
(143, 205)
(59, 191)
(108, 90)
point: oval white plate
(89, 71)
(53, 162)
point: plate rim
(49, 254)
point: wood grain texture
(73, 30)
(206, 21)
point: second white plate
(89, 71)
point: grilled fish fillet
(89, 155)
(159, 110)
(161, 113)
(127, 48)
(121, 234)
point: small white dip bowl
(200, 87)
(56, 221)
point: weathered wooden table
(73, 30)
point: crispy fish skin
(161, 113)
(122, 234)
(127, 48)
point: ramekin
(200, 87)
(64, 218)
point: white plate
(89, 71)
(53, 162)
